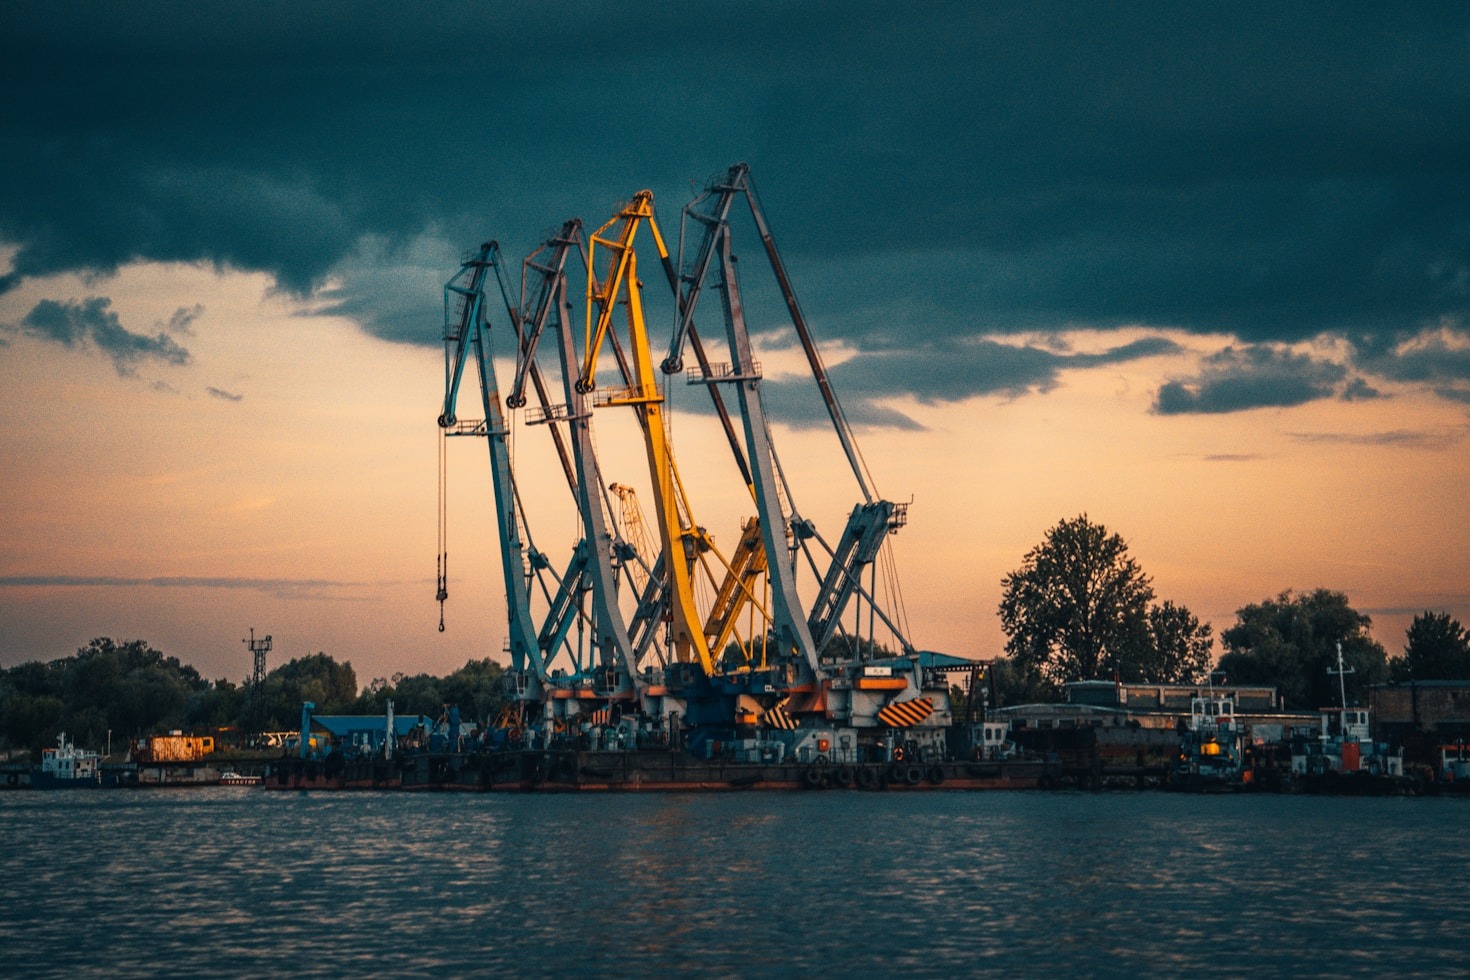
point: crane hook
(443, 587)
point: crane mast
(793, 638)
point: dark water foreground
(243, 882)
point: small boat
(232, 778)
(1343, 759)
(1211, 748)
(1452, 775)
(68, 767)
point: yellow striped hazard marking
(902, 714)
(778, 717)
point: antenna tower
(258, 648)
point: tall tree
(1291, 642)
(1077, 608)
(1438, 649)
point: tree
(331, 686)
(222, 705)
(1183, 647)
(126, 687)
(1438, 649)
(1078, 607)
(1016, 683)
(1291, 642)
(476, 688)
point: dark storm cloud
(76, 324)
(1437, 359)
(936, 372)
(1268, 171)
(1236, 379)
(222, 395)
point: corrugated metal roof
(339, 725)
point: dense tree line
(1079, 608)
(475, 687)
(125, 688)
(129, 689)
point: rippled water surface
(238, 881)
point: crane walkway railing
(631, 395)
(551, 413)
(721, 372)
(471, 427)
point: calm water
(244, 882)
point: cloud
(1360, 390)
(1256, 170)
(939, 372)
(1454, 394)
(1238, 379)
(223, 395)
(183, 319)
(281, 587)
(1436, 356)
(1407, 438)
(77, 324)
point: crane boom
(610, 632)
(465, 332)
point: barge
(574, 770)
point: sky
(1198, 271)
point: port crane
(655, 650)
(466, 328)
(613, 286)
(534, 649)
(873, 519)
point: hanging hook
(443, 591)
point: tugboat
(68, 767)
(1344, 759)
(1452, 775)
(1211, 748)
